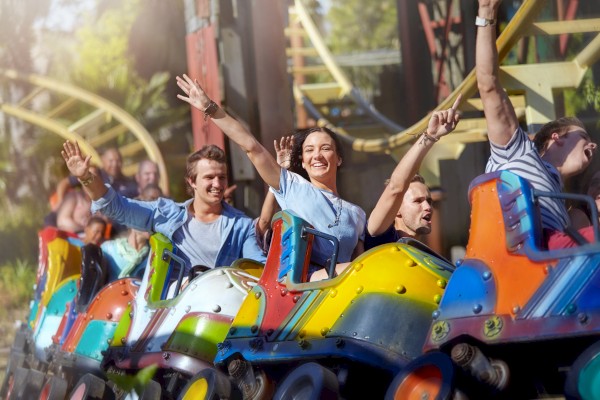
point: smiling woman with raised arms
(317, 153)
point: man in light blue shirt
(205, 229)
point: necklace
(337, 213)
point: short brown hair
(560, 126)
(415, 178)
(209, 152)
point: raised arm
(440, 124)
(499, 112)
(283, 151)
(259, 156)
(79, 166)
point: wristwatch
(484, 21)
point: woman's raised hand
(443, 122)
(283, 150)
(78, 165)
(194, 94)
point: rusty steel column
(297, 43)
(203, 65)
(273, 86)
(415, 61)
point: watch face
(484, 21)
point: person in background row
(147, 174)
(112, 173)
(206, 230)
(93, 233)
(127, 256)
(150, 193)
(73, 213)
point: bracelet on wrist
(210, 110)
(87, 180)
(428, 137)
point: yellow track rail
(102, 125)
(532, 92)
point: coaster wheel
(90, 387)
(27, 384)
(583, 379)
(17, 359)
(209, 384)
(310, 381)
(152, 391)
(54, 389)
(429, 377)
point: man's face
(112, 163)
(147, 174)
(414, 215)
(211, 181)
(578, 151)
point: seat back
(505, 223)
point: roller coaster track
(531, 86)
(78, 115)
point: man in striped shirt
(560, 150)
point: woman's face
(319, 155)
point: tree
(360, 26)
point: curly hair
(209, 152)
(299, 139)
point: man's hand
(488, 8)
(443, 122)
(78, 165)
(283, 150)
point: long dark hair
(300, 137)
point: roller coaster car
(343, 336)
(87, 326)
(516, 319)
(177, 331)
(56, 281)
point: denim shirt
(166, 216)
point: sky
(65, 17)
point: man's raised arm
(499, 112)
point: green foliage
(104, 65)
(16, 280)
(137, 382)
(359, 25)
(586, 98)
(363, 25)
(592, 95)
(18, 230)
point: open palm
(78, 165)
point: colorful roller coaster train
(511, 321)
